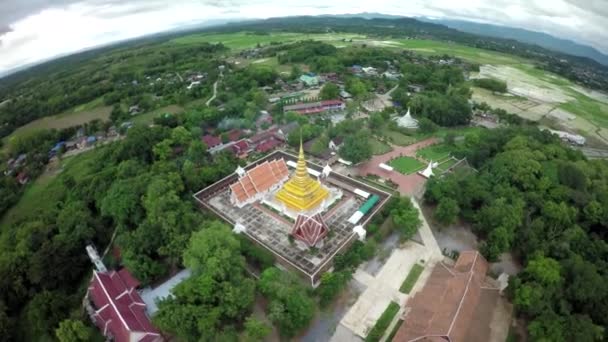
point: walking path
(214, 89)
(409, 185)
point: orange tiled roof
(453, 305)
(259, 179)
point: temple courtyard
(303, 213)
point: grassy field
(399, 138)
(244, 40)
(446, 164)
(76, 116)
(148, 118)
(379, 147)
(433, 47)
(406, 165)
(435, 152)
(42, 192)
(410, 280)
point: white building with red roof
(119, 311)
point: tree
(332, 284)
(290, 308)
(70, 330)
(256, 330)
(356, 148)
(405, 218)
(447, 211)
(329, 91)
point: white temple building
(428, 172)
(407, 121)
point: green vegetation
(546, 203)
(412, 277)
(394, 331)
(406, 165)
(491, 84)
(480, 56)
(382, 323)
(446, 164)
(435, 152)
(378, 147)
(399, 138)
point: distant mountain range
(525, 36)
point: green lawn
(447, 164)
(434, 152)
(412, 277)
(406, 165)
(383, 322)
(378, 147)
(398, 138)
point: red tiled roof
(263, 135)
(259, 179)
(310, 229)
(234, 135)
(120, 311)
(268, 145)
(331, 103)
(211, 141)
(240, 147)
(455, 304)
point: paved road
(214, 89)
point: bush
(383, 322)
(491, 84)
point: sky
(35, 30)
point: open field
(244, 40)
(434, 152)
(148, 118)
(77, 116)
(540, 95)
(406, 165)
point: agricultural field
(541, 96)
(406, 165)
(148, 118)
(435, 152)
(244, 40)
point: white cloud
(50, 31)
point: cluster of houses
(262, 142)
(360, 71)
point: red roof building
(262, 136)
(258, 180)
(240, 148)
(268, 145)
(456, 304)
(310, 229)
(211, 141)
(120, 313)
(234, 135)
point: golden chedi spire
(302, 192)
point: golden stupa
(302, 192)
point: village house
(336, 143)
(310, 80)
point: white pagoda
(407, 121)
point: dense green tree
(70, 330)
(447, 211)
(255, 330)
(356, 147)
(406, 218)
(329, 91)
